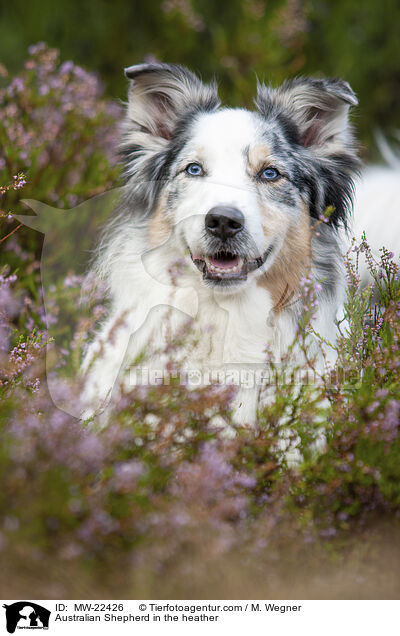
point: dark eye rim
(277, 176)
(194, 163)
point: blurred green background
(236, 40)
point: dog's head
(241, 189)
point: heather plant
(57, 140)
(58, 129)
(163, 487)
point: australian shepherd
(225, 213)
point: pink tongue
(224, 263)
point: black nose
(224, 222)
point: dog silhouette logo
(26, 615)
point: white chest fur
(213, 332)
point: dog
(247, 204)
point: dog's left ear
(318, 107)
(161, 94)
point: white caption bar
(200, 617)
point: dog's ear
(318, 107)
(161, 94)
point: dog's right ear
(161, 94)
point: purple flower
(67, 67)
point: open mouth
(227, 266)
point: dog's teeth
(224, 270)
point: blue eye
(194, 169)
(270, 174)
